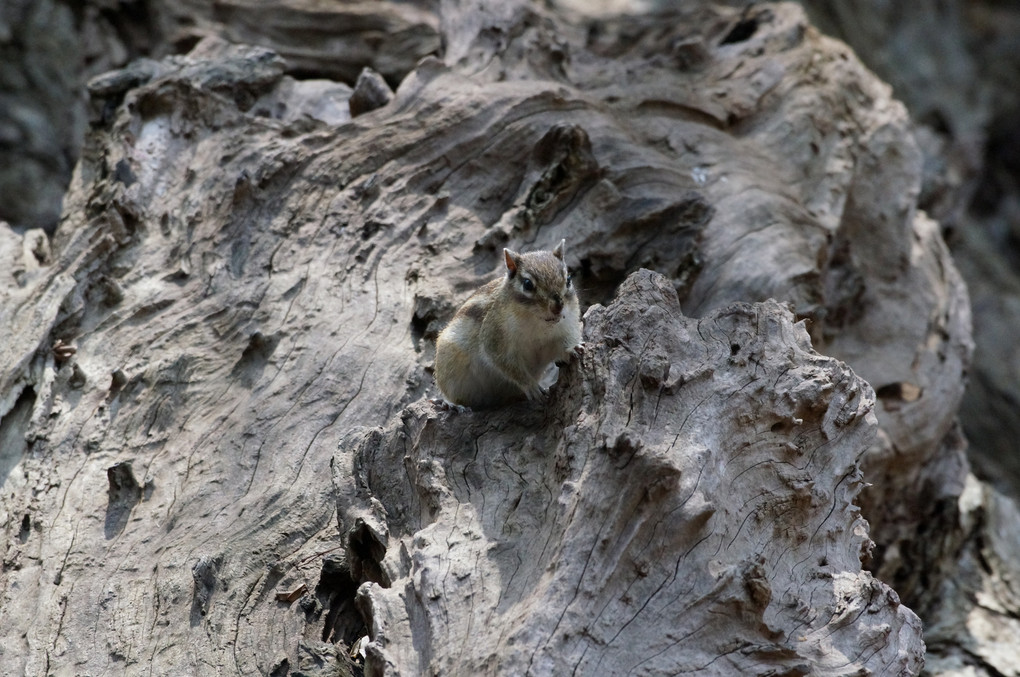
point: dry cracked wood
(246, 275)
(683, 504)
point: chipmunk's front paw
(574, 353)
(535, 393)
(449, 406)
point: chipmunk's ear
(558, 252)
(513, 262)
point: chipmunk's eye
(527, 284)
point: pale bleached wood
(251, 278)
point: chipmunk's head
(540, 281)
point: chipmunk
(501, 341)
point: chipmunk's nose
(557, 305)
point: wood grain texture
(250, 278)
(683, 503)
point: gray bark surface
(250, 276)
(683, 503)
(956, 66)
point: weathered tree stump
(683, 504)
(246, 276)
